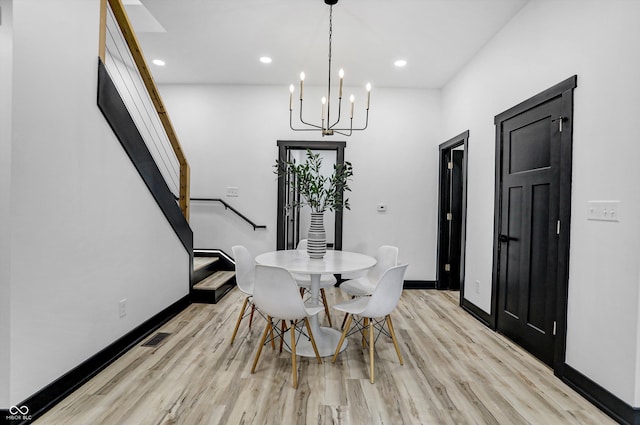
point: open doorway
(293, 222)
(452, 212)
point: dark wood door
(452, 212)
(455, 240)
(454, 220)
(529, 228)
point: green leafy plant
(318, 191)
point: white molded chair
(304, 282)
(386, 257)
(369, 310)
(245, 275)
(276, 295)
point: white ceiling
(220, 41)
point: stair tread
(202, 262)
(215, 281)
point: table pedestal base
(326, 340)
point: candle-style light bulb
(301, 83)
(291, 97)
(368, 94)
(341, 75)
(352, 99)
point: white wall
(85, 232)
(547, 42)
(229, 134)
(6, 59)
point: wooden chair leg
(348, 317)
(283, 326)
(393, 337)
(364, 337)
(262, 340)
(371, 351)
(345, 317)
(344, 320)
(313, 340)
(326, 306)
(253, 309)
(235, 331)
(293, 356)
(273, 339)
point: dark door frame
(283, 147)
(563, 90)
(461, 139)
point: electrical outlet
(382, 207)
(477, 288)
(232, 192)
(122, 305)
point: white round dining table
(334, 262)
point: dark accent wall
(118, 117)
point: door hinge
(558, 227)
(447, 267)
(450, 165)
(554, 327)
(560, 119)
(449, 216)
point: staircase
(213, 276)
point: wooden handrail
(136, 52)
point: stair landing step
(202, 262)
(215, 281)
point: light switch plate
(232, 192)
(603, 210)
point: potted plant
(319, 192)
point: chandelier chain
(329, 82)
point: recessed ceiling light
(265, 59)
(158, 62)
(400, 63)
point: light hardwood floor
(456, 371)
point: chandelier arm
(339, 113)
(316, 128)
(307, 123)
(343, 134)
(342, 130)
(366, 123)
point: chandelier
(326, 127)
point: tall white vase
(317, 237)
